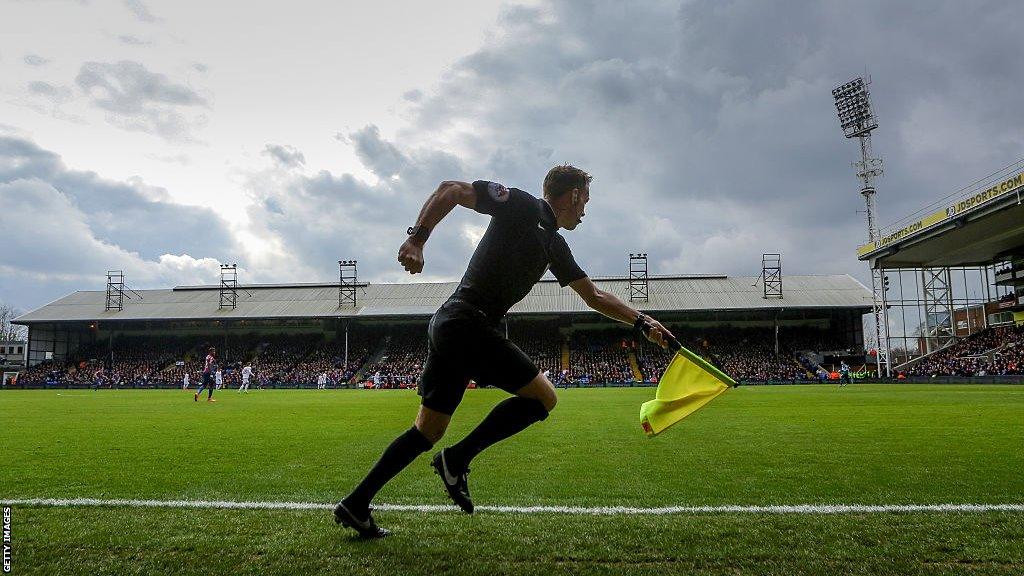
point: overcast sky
(165, 137)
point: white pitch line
(567, 510)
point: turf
(871, 444)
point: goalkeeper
(521, 242)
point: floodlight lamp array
(853, 105)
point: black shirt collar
(547, 217)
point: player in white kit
(246, 375)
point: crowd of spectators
(601, 356)
(328, 358)
(542, 342)
(995, 351)
(595, 356)
(748, 354)
(799, 338)
(401, 363)
(125, 361)
(745, 354)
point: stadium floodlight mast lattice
(853, 105)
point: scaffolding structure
(638, 278)
(228, 286)
(347, 283)
(771, 273)
(117, 291)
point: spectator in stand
(994, 351)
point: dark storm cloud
(136, 98)
(709, 125)
(130, 216)
(322, 217)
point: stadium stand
(597, 357)
(401, 361)
(542, 342)
(293, 333)
(600, 357)
(329, 357)
(994, 351)
(393, 357)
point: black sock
(402, 451)
(209, 392)
(509, 417)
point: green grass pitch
(864, 444)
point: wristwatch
(641, 324)
(418, 233)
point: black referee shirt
(520, 244)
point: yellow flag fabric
(688, 383)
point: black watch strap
(418, 233)
(642, 325)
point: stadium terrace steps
(373, 360)
(635, 366)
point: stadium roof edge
(391, 300)
(975, 229)
(363, 284)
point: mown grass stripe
(568, 510)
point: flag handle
(645, 327)
(674, 345)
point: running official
(521, 243)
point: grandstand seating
(601, 356)
(329, 357)
(994, 351)
(393, 356)
(542, 342)
(402, 360)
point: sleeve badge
(497, 192)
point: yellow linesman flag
(688, 383)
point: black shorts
(207, 379)
(464, 344)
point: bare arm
(448, 194)
(611, 306)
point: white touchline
(575, 510)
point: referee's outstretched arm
(611, 306)
(437, 206)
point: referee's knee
(546, 397)
(549, 401)
(544, 392)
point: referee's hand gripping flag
(687, 384)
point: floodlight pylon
(856, 118)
